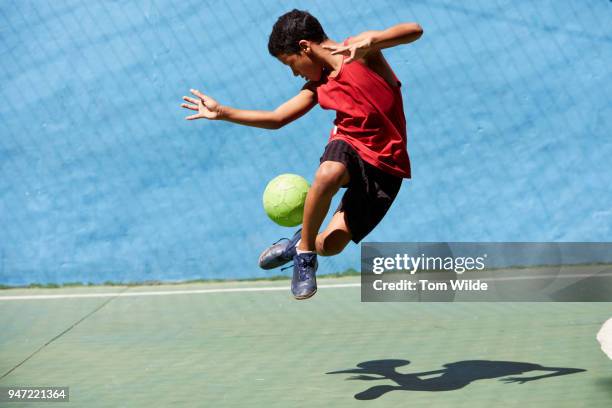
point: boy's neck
(331, 62)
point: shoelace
(302, 268)
(281, 240)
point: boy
(366, 151)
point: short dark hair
(292, 27)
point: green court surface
(205, 346)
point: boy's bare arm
(393, 36)
(369, 43)
(208, 108)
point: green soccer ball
(284, 198)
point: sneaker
(304, 280)
(279, 253)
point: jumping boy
(366, 152)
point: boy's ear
(304, 45)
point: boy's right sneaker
(279, 253)
(304, 280)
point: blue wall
(508, 108)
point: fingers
(198, 94)
(188, 106)
(192, 100)
(335, 49)
(351, 58)
(193, 103)
(192, 117)
(340, 50)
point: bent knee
(332, 175)
(332, 243)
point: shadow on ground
(606, 383)
(452, 377)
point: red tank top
(369, 116)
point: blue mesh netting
(508, 108)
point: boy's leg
(330, 176)
(328, 179)
(335, 237)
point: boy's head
(291, 39)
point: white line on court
(266, 288)
(167, 292)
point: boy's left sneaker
(304, 280)
(279, 253)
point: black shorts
(369, 193)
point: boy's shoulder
(311, 86)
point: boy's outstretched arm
(369, 43)
(208, 108)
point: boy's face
(301, 64)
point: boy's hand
(206, 106)
(355, 50)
